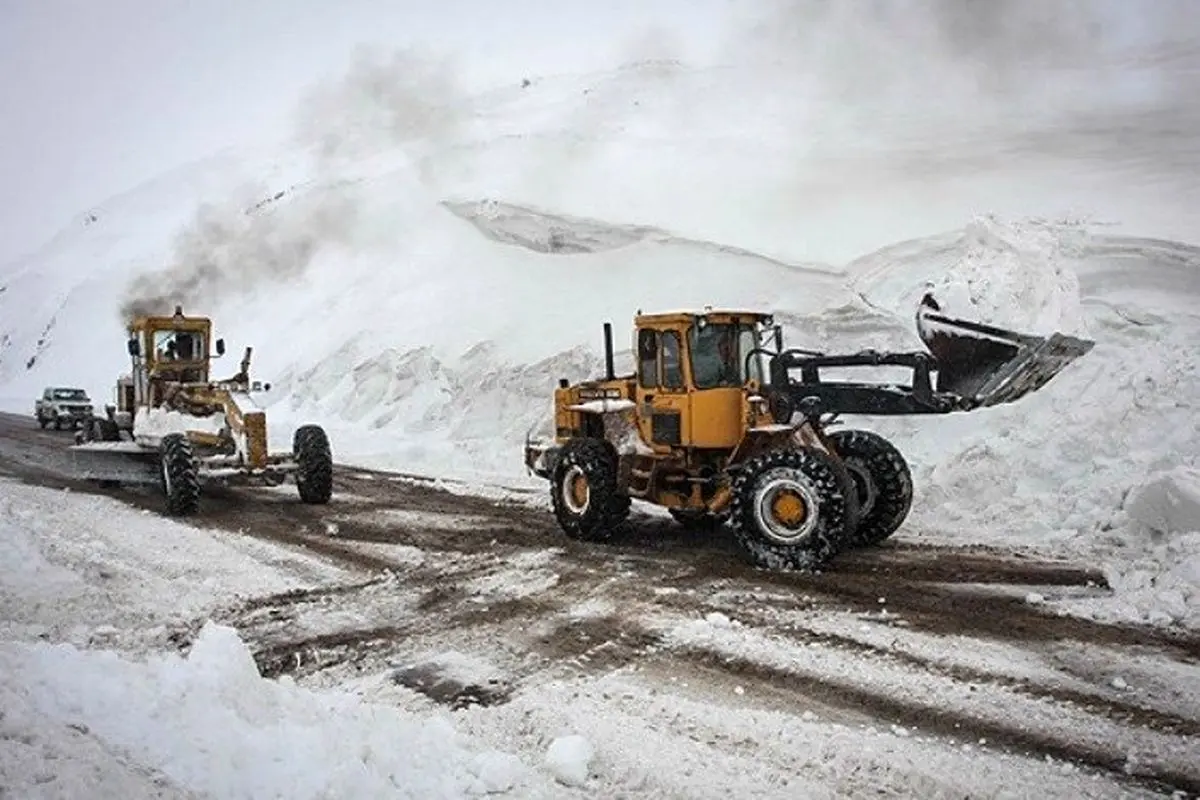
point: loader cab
(693, 375)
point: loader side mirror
(220, 347)
(132, 347)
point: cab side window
(648, 359)
(672, 361)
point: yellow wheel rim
(789, 509)
(579, 491)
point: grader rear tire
(179, 474)
(584, 494)
(314, 464)
(789, 510)
(882, 481)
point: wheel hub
(786, 507)
(789, 508)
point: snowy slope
(418, 270)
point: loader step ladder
(641, 476)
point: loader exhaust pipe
(610, 371)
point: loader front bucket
(985, 365)
(123, 462)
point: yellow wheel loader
(720, 422)
(175, 427)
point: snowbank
(1154, 563)
(212, 725)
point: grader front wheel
(179, 474)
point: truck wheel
(180, 474)
(314, 464)
(789, 510)
(584, 494)
(882, 480)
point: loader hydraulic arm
(976, 365)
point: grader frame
(172, 425)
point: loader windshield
(718, 352)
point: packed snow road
(906, 656)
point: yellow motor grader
(714, 424)
(174, 426)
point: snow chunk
(603, 406)
(1167, 502)
(568, 758)
(154, 423)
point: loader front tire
(584, 494)
(314, 464)
(789, 510)
(882, 480)
(180, 474)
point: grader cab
(712, 425)
(174, 426)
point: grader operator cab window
(178, 346)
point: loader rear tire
(584, 494)
(179, 474)
(314, 464)
(789, 510)
(882, 480)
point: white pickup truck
(63, 406)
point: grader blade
(124, 462)
(985, 365)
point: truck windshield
(70, 394)
(718, 352)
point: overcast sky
(96, 97)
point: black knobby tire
(179, 474)
(765, 540)
(314, 464)
(883, 483)
(592, 465)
